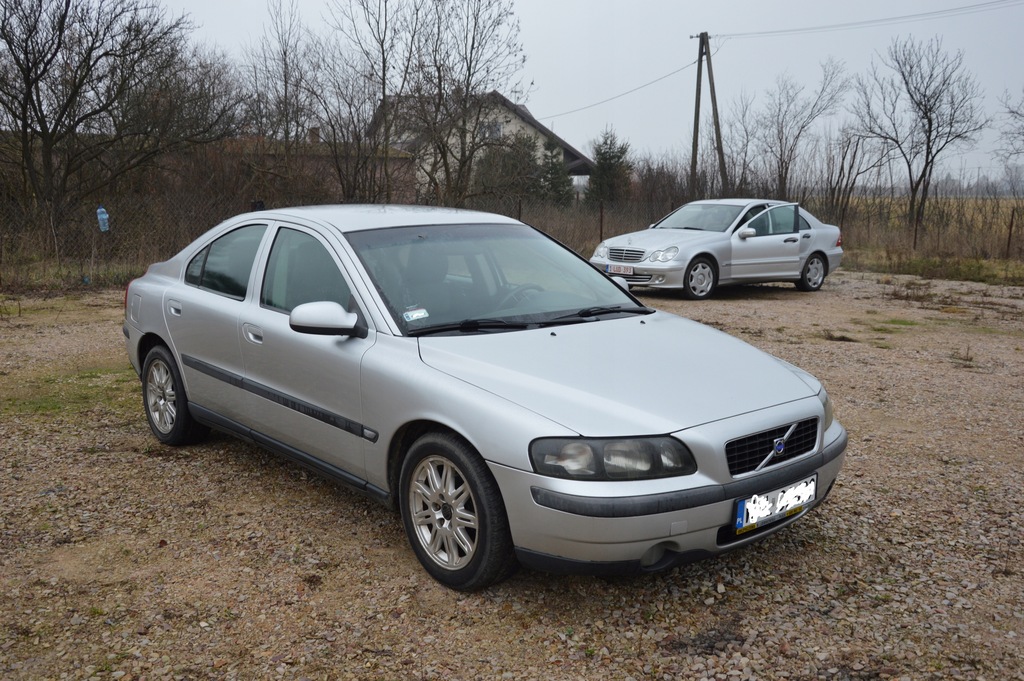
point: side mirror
(746, 232)
(623, 284)
(324, 318)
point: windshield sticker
(413, 315)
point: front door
(774, 251)
(304, 389)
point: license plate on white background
(761, 509)
(619, 269)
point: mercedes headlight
(601, 251)
(665, 255)
(611, 459)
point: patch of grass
(840, 337)
(984, 270)
(72, 393)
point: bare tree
(738, 137)
(1012, 133)
(789, 115)
(91, 90)
(383, 35)
(843, 158)
(278, 101)
(466, 50)
(918, 104)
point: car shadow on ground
(752, 292)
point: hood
(655, 374)
(655, 239)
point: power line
(869, 23)
(622, 94)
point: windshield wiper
(698, 229)
(589, 312)
(470, 326)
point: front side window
(301, 270)
(225, 265)
(777, 220)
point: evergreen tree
(509, 169)
(555, 183)
(613, 170)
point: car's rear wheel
(454, 515)
(699, 279)
(165, 402)
(813, 274)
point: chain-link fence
(51, 250)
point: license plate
(761, 509)
(619, 269)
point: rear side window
(224, 266)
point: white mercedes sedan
(706, 244)
(467, 370)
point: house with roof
(446, 140)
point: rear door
(303, 390)
(202, 317)
(774, 251)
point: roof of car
(356, 217)
(737, 202)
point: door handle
(174, 307)
(806, 236)
(253, 334)
(790, 240)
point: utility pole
(704, 54)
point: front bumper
(656, 275)
(567, 533)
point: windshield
(482, 278)
(709, 217)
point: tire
(454, 515)
(813, 274)
(165, 402)
(700, 279)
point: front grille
(625, 254)
(746, 453)
(635, 279)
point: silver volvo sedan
(516, 405)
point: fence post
(1009, 235)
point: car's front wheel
(165, 402)
(699, 279)
(813, 274)
(454, 515)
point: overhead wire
(990, 5)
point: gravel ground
(124, 559)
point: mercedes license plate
(619, 269)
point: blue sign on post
(103, 218)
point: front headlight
(601, 251)
(611, 459)
(826, 403)
(664, 256)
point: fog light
(660, 279)
(652, 555)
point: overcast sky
(581, 52)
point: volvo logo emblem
(780, 446)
